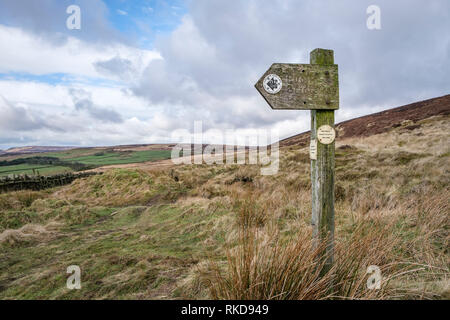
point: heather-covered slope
(383, 121)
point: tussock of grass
(27, 234)
(264, 267)
(18, 200)
(120, 187)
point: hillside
(383, 121)
(31, 150)
(202, 231)
(28, 150)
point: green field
(91, 157)
(109, 158)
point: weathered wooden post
(314, 87)
(322, 168)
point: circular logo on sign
(272, 83)
(326, 134)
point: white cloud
(209, 65)
(38, 114)
(26, 52)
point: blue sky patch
(144, 20)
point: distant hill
(27, 150)
(382, 121)
(32, 149)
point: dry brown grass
(122, 187)
(392, 211)
(262, 263)
(249, 235)
(28, 233)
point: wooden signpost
(314, 87)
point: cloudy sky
(138, 70)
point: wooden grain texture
(305, 87)
(322, 175)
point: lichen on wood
(304, 87)
(322, 175)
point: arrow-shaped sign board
(300, 86)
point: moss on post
(322, 174)
(322, 57)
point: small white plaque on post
(313, 150)
(326, 134)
